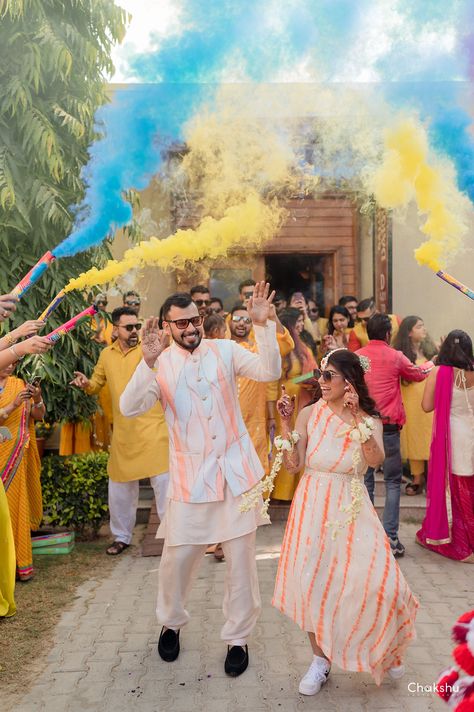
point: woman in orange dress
(20, 405)
(297, 362)
(337, 578)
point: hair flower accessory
(365, 363)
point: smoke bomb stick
(33, 275)
(455, 283)
(55, 335)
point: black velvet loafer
(168, 645)
(237, 660)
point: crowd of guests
(401, 353)
(214, 405)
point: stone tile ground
(104, 656)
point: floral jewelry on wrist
(363, 430)
(10, 339)
(253, 497)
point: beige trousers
(241, 605)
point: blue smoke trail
(140, 124)
(257, 41)
(142, 120)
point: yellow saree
(7, 559)
(20, 471)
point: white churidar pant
(241, 605)
(123, 503)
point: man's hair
(279, 296)
(122, 311)
(366, 304)
(199, 288)
(247, 283)
(217, 299)
(212, 322)
(178, 299)
(131, 293)
(378, 326)
(346, 299)
(237, 307)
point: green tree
(54, 56)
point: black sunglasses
(327, 375)
(134, 303)
(131, 327)
(182, 324)
(247, 295)
(202, 302)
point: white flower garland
(360, 433)
(253, 497)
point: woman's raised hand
(285, 405)
(351, 399)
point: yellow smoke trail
(244, 225)
(408, 174)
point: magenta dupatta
(436, 528)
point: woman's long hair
(403, 343)
(288, 318)
(349, 365)
(336, 309)
(456, 350)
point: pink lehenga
(448, 526)
(348, 589)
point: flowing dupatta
(438, 519)
(17, 422)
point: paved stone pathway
(104, 657)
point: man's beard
(189, 347)
(132, 341)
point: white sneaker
(316, 676)
(396, 673)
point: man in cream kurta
(139, 447)
(212, 461)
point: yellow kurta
(253, 398)
(285, 482)
(77, 438)
(360, 331)
(139, 445)
(415, 437)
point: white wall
(418, 291)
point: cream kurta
(207, 432)
(139, 445)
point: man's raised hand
(154, 341)
(259, 306)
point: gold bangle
(10, 339)
(15, 353)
